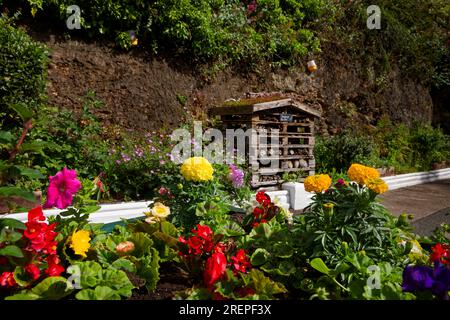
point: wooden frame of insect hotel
(282, 139)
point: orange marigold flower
(362, 174)
(377, 185)
(317, 183)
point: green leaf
(18, 192)
(89, 209)
(12, 251)
(124, 264)
(23, 296)
(22, 110)
(6, 137)
(231, 229)
(12, 223)
(91, 273)
(21, 276)
(286, 268)
(320, 266)
(117, 280)
(100, 293)
(282, 250)
(259, 257)
(30, 173)
(52, 288)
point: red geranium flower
(215, 268)
(263, 198)
(53, 269)
(33, 271)
(258, 212)
(440, 253)
(7, 280)
(36, 214)
(203, 232)
(240, 262)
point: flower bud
(124, 247)
(344, 246)
(328, 209)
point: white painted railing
(292, 196)
(412, 179)
(108, 212)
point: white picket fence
(292, 195)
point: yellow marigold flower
(377, 185)
(160, 211)
(197, 169)
(362, 174)
(80, 242)
(317, 183)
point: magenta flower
(62, 188)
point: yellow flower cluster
(80, 242)
(197, 169)
(377, 185)
(362, 174)
(317, 183)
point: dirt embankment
(143, 93)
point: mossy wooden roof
(249, 106)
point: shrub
(23, 68)
(339, 152)
(224, 32)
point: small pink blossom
(62, 188)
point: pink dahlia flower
(62, 188)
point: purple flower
(424, 278)
(417, 278)
(138, 152)
(125, 157)
(441, 285)
(236, 176)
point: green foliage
(51, 288)
(410, 148)
(143, 260)
(223, 32)
(339, 152)
(23, 69)
(101, 284)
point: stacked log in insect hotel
(285, 132)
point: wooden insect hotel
(282, 139)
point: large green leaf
(23, 296)
(117, 280)
(12, 223)
(12, 251)
(124, 264)
(91, 273)
(259, 257)
(9, 235)
(320, 266)
(99, 293)
(52, 288)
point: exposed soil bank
(143, 93)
